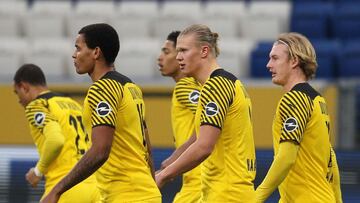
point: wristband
(37, 172)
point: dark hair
(173, 36)
(30, 73)
(103, 36)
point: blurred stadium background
(43, 32)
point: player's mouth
(182, 66)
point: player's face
(22, 93)
(189, 54)
(83, 56)
(279, 64)
(168, 65)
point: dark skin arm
(93, 159)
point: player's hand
(52, 197)
(32, 178)
(159, 180)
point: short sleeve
(38, 113)
(104, 97)
(187, 93)
(216, 97)
(295, 110)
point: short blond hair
(301, 48)
(204, 36)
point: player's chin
(79, 71)
(163, 73)
(185, 72)
(276, 81)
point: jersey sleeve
(216, 97)
(187, 93)
(53, 144)
(104, 97)
(38, 114)
(295, 110)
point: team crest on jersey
(103, 108)
(194, 97)
(211, 109)
(291, 124)
(39, 118)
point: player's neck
(294, 79)
(204, 73)
(100, 71)
(38, 90)
(178, 75)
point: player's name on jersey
(68, 105)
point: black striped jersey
(184, 103)
(51, 107)
(227, 175)
(117, 102)
(302, 118)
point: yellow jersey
(115, 101)
(302, 118)
(184, 103)
(52, 107)
(227, 175)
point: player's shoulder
(187, 89)
(187, 81)
(42, 101)
(37, 110)
(222, 74)
(301, 95)
(111, 81)
(303, 89)
(219, 81)
(37, 104)
(115, 76)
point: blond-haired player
(304, 166)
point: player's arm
(148, 145)
(183, 86)
(53, 143)
(336, 178)
(278, 171)
(94, 158)
(178, 151)
(193, 156)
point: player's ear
(24, 86)
(96, 52)
(205, 50)
(294, 62)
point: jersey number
(328, 126)
(140, 111)
(75, 122)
